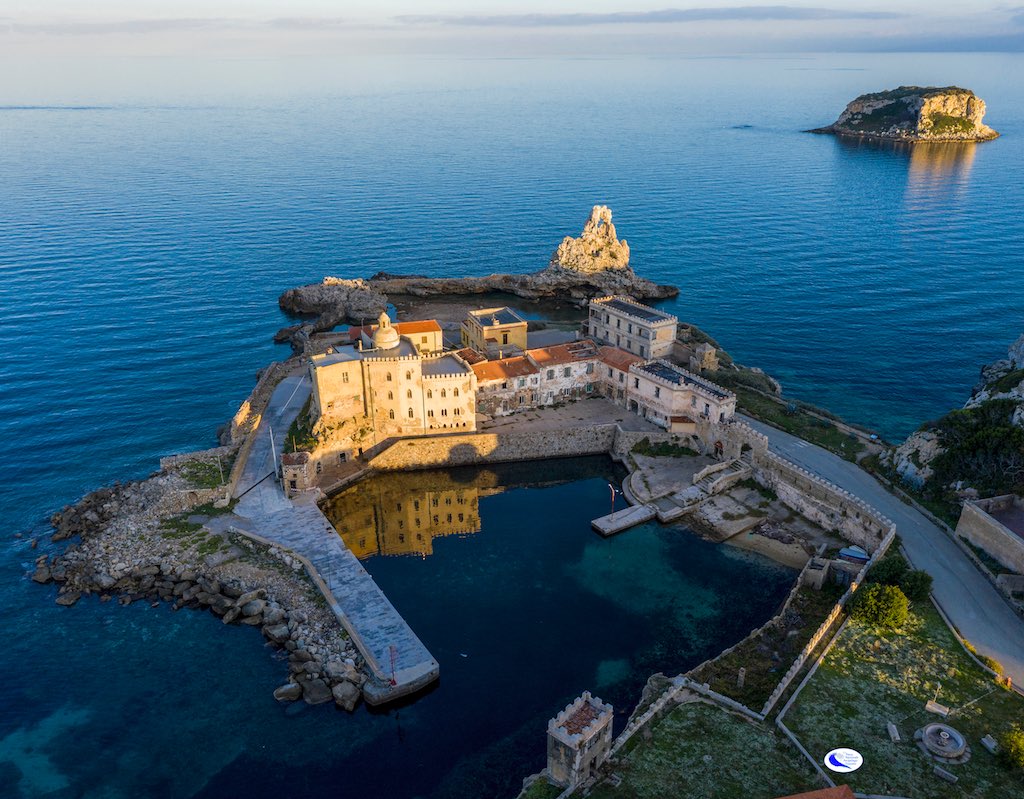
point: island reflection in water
(401, 513)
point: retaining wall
(991, 535)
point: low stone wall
(249, 413)
(203, 456)
(991, 535)
(472, 448)
(822, 502)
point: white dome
(385, 337)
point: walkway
(399, 660)
(970, 601)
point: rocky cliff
(593, 264)
(978, 449)
(913, 113)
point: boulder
(273, 615)
(346, 695)
(68, 599)
(316, 692)
(251, 596)
(231, 615)
(278, 633)
(252, 608)
(288, 693)
(42, 574)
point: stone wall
(251, 410)
(822, 502)
(204, 456)
(470, 448)
(989, 534)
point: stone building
(579, 740)
(567, 371)
(494, 331)
(632, 326)
(426, 335)
(614, 372)
(674, 398)
(506, 385)
(363, 395)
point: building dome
(385, 337)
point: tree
(880, 605)
(1011, 747)
(890, 570)
(917, 585)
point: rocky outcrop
(913, 113)
(593, 264)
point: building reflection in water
(402, 513)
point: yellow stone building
(494, 331)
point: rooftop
(681, 377)
(470, 355)
(580, 719)
(520, 366)
(618, 358)
(403, 328)
(564, 353)
(445, 365)
(839, 792)
(633, 308)
(497, 316)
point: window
(693, 402)
(443, 393)
(319, 467)
(342, 458)
(391, 414)
(504, 338)
(430, 394)
(522, 382)
(344, 377)
(391, 395)
(629, 328)
(292, 484)
(455, 392)
(643, 351)
(415, 504)
(551, 374)
(522, 398)
(408, 394)
(590, 368)
(410, 413)
(618, 323)
(590, 387)
(444, 412)
(457, 411)
(622, 377)
(636, 382)
(389, 377)
(430, 413)
(609, 371)
(607, 319)
(567, 371)
(423, 339)
(408, 375)
(504, 384)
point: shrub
(1011, 747)
(916, 584)
(880, 605)
(890, 570)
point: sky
(500, 28)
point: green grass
(206, 474)
(541, 789)
(796, 420)
(946, 123)
(1007, 381)
(875, 676)
(300, 436)
(663, 449)
(702, 751)
(764, 670)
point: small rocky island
(915, 113)
(594, 263)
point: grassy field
(702, 751)
(875, 676)
(798, 422)
(758, 657)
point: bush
(880, 605)
(890, 570)
(1011, 747)
(916, 584)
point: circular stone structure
(943, 743)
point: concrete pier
(399, 661)
(623, 519)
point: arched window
(430, 394)
(443, 393)
(391, 395)
(408, 394)
(391, 414)
(455, 392)
(410, 413)
(389, 377)
(408, 375)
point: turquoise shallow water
(151, 215)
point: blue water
(151, 213)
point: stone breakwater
(596, 263)
(137, 542)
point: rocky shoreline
(596, 263)
(145, 541)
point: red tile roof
(839, 792)
(581, 719)
(403, 328)
(564, 353)
(470, 355)
(618, 358)
(503, 369)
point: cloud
(669, 15)
(128, 26)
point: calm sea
(151, 213)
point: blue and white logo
(843, 760)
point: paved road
(970, 601)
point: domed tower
(385, 337)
